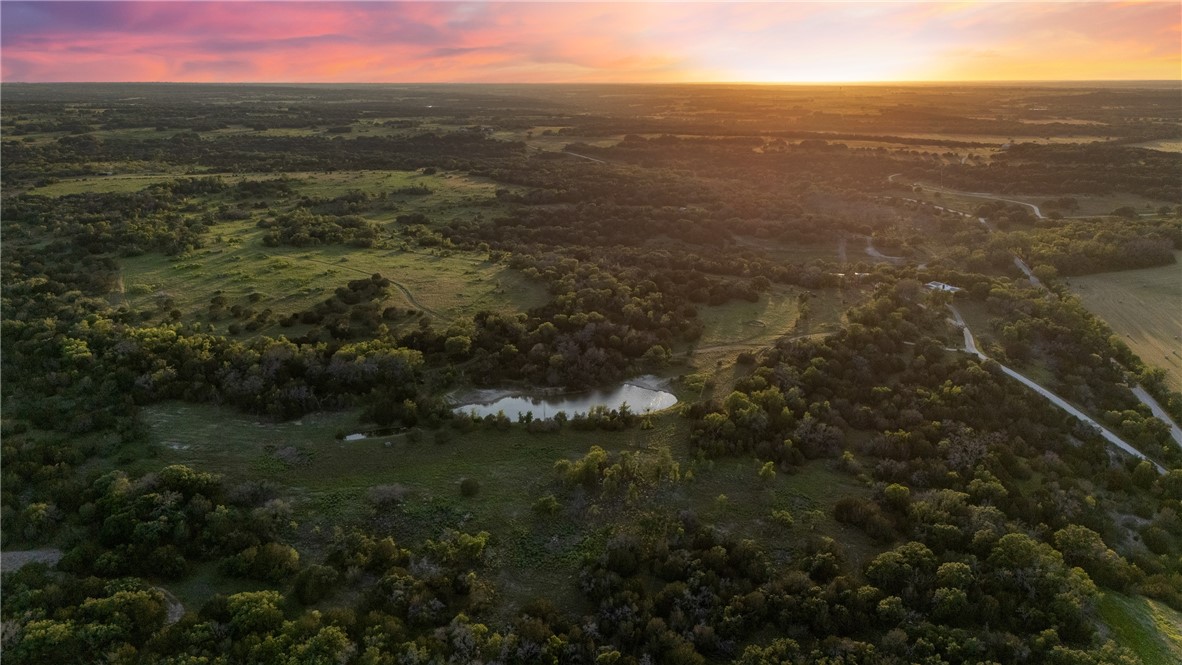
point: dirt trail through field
(176, 609)
(584, 156)
(120, 292)
(871, 251)
(981, 195)
(748, 344)
(410, 297)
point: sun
(852, 69)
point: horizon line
(594, 83)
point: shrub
(469, 487)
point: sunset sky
(589, 42)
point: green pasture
(328, 480)
(289, 280)
(740, 326)
(731, 494)
(741, 322)
(444, 283)
(1147, 627)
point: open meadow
(1152, 630)
(1143, 307)
(330, 482)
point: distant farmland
(1144, 307)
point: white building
(941, 286)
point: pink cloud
(554, 41)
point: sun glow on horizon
(588, 42)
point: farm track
(748, 344)
(970, 346)
(601, 161)
(981, 195)
(872, 251)
(1018, 262)
(175, 608)
(406, 292)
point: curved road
(981, 195)
(1034, 281)
(872, 251)
(971, 346)
(1029, 275)
(1159, 413)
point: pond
(640, 394)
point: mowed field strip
(1144, 307)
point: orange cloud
(557, 41)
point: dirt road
(18, 559)
(1159, 413)
(971, 346)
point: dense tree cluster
(1030, 168)
(150, 220)
(301, 228)
(1091, 246)
(83, 155)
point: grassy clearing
(730, 494)
(536, 556)
(1149, 628)
(453, 286)
(328, 479)
(752, 325)
(448, 190)
(738, 327)
(761, 322)
(241, 447)
(112, 184)
(452, 196)
(1144, 307)
(289, 279)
